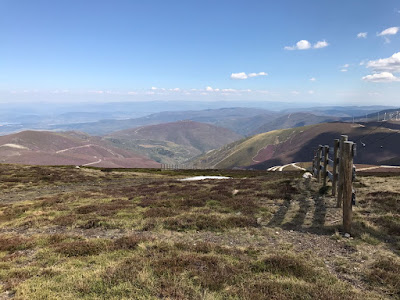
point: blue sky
(299, 51)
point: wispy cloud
(389, 31)
(362, 35)
(381, 77)
(320, 44)
(243, 75)
(313, 79)
(344, 68)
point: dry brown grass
(12, 243)
(385, 274)
(82, 247)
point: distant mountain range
(238, 119)
(244, 121)
(279, 139)
(105, 118)
(377, 144)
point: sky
(325, 52)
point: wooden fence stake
(325, 169)
(347, 175)
(319, 163)
(335, 164)
(343, 139)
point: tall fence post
(343, 139)
(325, 169)
(319, 163)
(347, 190)
(335, 165)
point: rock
(259, 220)
(347, 235)
(307, 175)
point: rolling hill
(294, 120)
(174, 142)
(70, 148)
(376, 145)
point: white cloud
(209, 89)
(250, 75)
(381, 77)
(389, 31)
(321, 44)
(305, 45)
(300, 45)
(313, 79)
(311, 92)
(362, 35)
(96, 92)
(295, 92)
(390, 64)
(153, 88)
(243, 75)
(344, 68)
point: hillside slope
(70, 148)
(294, 120)
(376, 145)
(173, 142)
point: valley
(213, 138)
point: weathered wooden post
(335, 165)
(319, 153)
(347, 175)
(325, 160)
(343, 139)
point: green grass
(142, 234)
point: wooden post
(313, 166)
(335, 165)
(319, 163)
(347, 175)
(325, 160)
(343, 139)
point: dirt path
(92, 163)
(280, 168)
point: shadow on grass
(317, 206)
